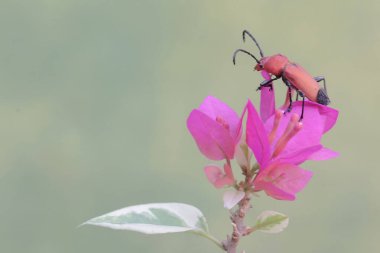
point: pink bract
(283, 142)
(267, 99)
(216, 129)
(282, 181)
(217, 177)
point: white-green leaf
(158, 218)
(271, 222)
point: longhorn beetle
(293, 75)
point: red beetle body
(304, 82)
(292, 74)
(280, 66)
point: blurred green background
(94, 95)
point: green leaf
(154, 219)
(271, 222)
(157, 218)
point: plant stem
(239, 227)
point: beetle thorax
(274, 64)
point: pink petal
(240, 126)
(228, 173)
(311, 132)
(295, 178)
(330, 116)
(265, 75)
(299, 156)
(257, 138)
(282, 181)
(232, 197)
(213, 140)
(267, 100)
(276, 193)
(214, 108)
(323, 154)
(216, 177)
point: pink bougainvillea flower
(219, 178)
(283, 142)
(216, 129)
(318, 119)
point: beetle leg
(289, 94)
(303, 103)
(321, 78)
(299, 93)
(290, 100)
(267, 83)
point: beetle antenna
(254, 40)
(244, 51)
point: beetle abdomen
(322, 97)
(304, 82)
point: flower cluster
(279, 141)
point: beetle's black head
(260, 65)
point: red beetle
(293, 75)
